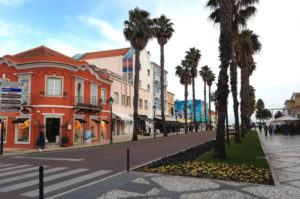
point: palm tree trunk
(244, 74)
(227, 128)
(136, 95)
(185, 106)
(162, 89)
(233, 82)
(209, 108)
(247, 103)
(194, 104)
(205, 106)
(225, 49)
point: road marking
(18, 171)
(15, 167)
(34, 182)
(46, 158)
(21, 177)
(66, 183)
(6, 165)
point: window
(123, 99)
(128, 100)
(116, 98)
(140, 83)
(25, 90)
(148, 72)
(148, 87)
(94, 129)
(141, 103)
(23, 131)
(103, 96)
(94, 94)
(54, 86)
(146, 104)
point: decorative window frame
(62, 85)
(16, 130)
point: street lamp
(110, 101)
(154, 108)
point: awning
(97, 121)
(19, 120)
(105, 121)
(123, 116)
(145, 118)
(81, 120)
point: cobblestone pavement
(282, 154)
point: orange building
(61, 96)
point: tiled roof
(107, 53)
(297, 94)
(45, 54)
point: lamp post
(154, 108)
(110, 101)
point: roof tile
(107, 53)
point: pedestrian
(270, 129)
(42, 142)
(292, 130)
(266, 130)
(259, 127)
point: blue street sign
(11, 90)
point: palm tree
(242, 11)
(204, 73)
(248, 45)
(163, 32)
(193, 56)
(138, 30)
(183, 71)
(225, 49)
(211, 79)
(251, 100)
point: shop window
(23, 131)
(78, 131)
(94, 129)
(103, 129)
(54, 86)
(141, 103)
(4, 129)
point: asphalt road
(67, 170)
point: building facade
(171, 111)
(200, 114)
(61, 96)
(292, 106)
(120, 63)
(156, 97)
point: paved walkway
(116, 139)
(283, 154)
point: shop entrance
(52, 129)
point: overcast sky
(71, 27)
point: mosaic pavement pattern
(283, 154)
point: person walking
(259, 127)
(270, 129)
(42, 142)
(292, 130)
(266, 130)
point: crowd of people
(272, 128)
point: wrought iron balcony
(87, 104)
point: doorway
(52, 129)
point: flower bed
(240, 173)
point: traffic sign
(11, 90)
(11, 84)
(11, 96)
(11, 102)
(9, 108)
(10, 114)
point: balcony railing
(88, 102)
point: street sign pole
(2, 134)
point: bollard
(41, 182)
(127, 160)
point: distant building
(200, 116)
(171, 111)
(213, 118)
(292, 106)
